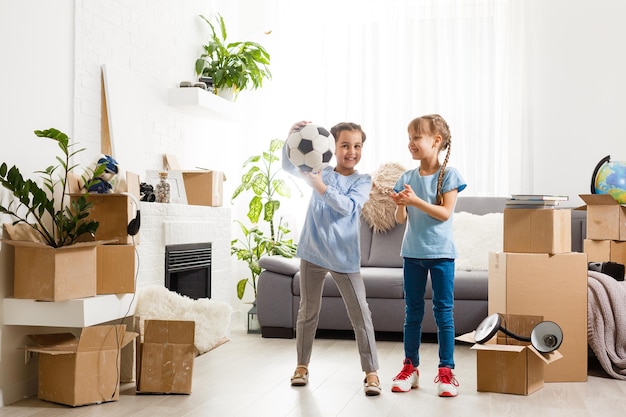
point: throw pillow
(475, 236)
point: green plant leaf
(241, 288)
(254, 209)
(281, 188)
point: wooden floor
(249, 376)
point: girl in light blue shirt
(426, 196)
(330, 243)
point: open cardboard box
(606, 218)
(80, 371)
(507, 366)
(204, 188)
(165, 357)
(44, 273)
(114, 211)
(551, 286)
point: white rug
(212, 317)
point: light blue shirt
(330, 235)
(426, 237)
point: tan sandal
(300, 379)
(372, 385)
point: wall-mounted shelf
(199, 101)
(80, 312)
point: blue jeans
(442, 281)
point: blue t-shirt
(330, 235)
(426, 237)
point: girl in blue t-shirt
(426, 196)
(330, 243)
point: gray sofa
(278, 289)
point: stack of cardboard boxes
(86, 369)
(606, 229)
(537, 274)
(115, 273)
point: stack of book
(534, 200)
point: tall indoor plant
(263, 182)
(232, 66)
(55, 223)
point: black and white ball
(310, 148)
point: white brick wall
(168, 224)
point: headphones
(133, 226)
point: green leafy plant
(58, 225)
(262, 181)
(235, 65)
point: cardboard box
(537, 230)
(113, 212)
(509, 366)
(606, 218)
(116, 269)
(605, 251)
(204, 188)
(165, 357)
(552, 286)
(44, 273)
(81, 371)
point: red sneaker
(447, 383)
(407, 378)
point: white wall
(577, 91)
(36, 81)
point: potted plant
(52, 224)
(232, 66)
(56, 226)
(266, 187)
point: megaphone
(546, 336)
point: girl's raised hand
(298, 125)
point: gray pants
(352, 291)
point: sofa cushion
(280, 264)
(384, 248)
(379, 283)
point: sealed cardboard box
(80, 371)
(552, 286)
(114, 212)
(116, 269)
(165, 357)
(605, 251)
(537, 230)
(44, 273)
(509, 366)
(204, 188)
(606, 218)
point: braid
(440, 179)
(440, 126)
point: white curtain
(381, 63)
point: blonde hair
(434, 124)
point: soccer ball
(310, 148)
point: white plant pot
(229, 94)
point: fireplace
(188, 269)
